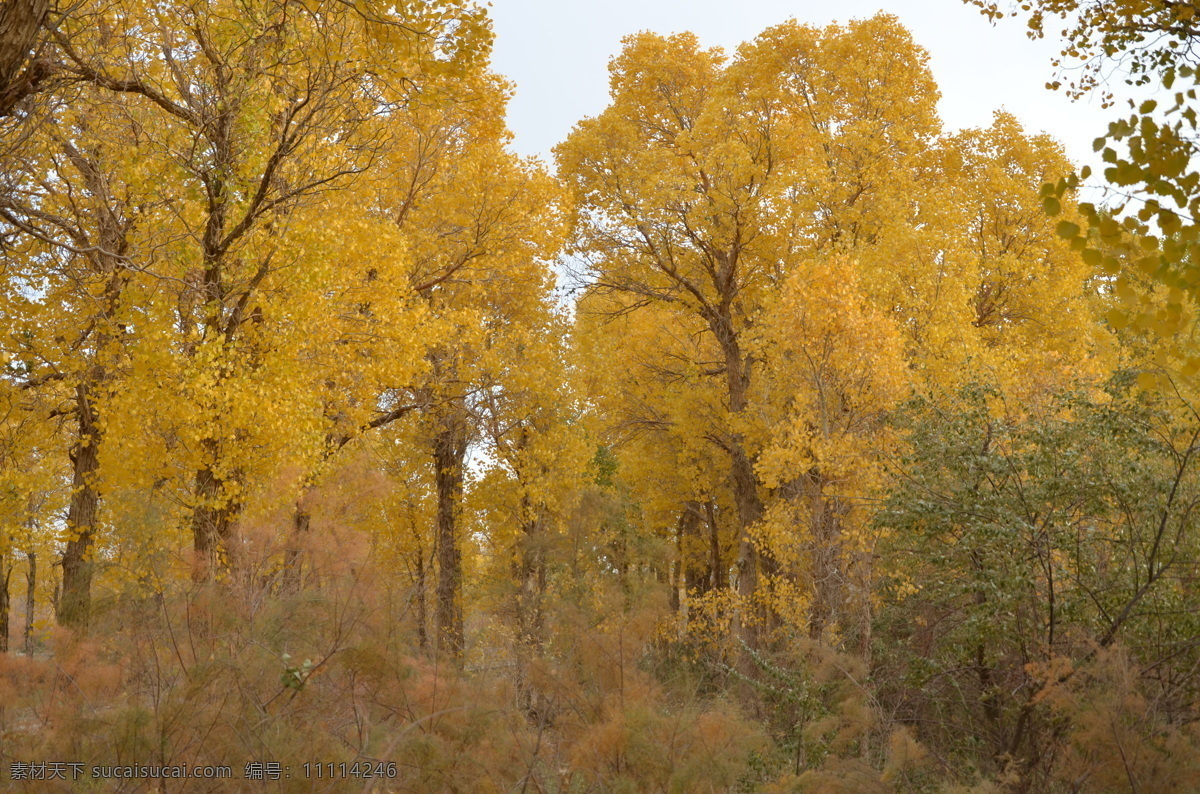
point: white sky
(557, 52)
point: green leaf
(1067, 230)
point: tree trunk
(532, 578)
(75, 602)
(530, 573)
(22, 24)
(293, 563)
(828, 575)
(74, 605)
(30, 585)
(716, 567)
(745, 483)
(212, 519)
(694, 575)
(422, 608)
(678, 574)
(5, 574)
(449, 452)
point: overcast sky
(557, 52)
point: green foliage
(1021, 542)
(605, 464)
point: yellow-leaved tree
(479, 228)
(716, 199)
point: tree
(479, 227)
(707, 187)
(700, 185)
(75, 197)
(840, 361)
(1019, 542)
(538, 459)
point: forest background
(853, 453)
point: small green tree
(1018, 544)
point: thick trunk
(212, 519)
(293, 563)
(30, 587)
(22, 25)
(449, 452)
(215, 512)
(532, 578)
(861, 599)
(745, 484)
(75, 601)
